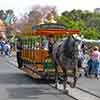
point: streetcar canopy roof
(52, 29)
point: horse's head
(77, 44)
(72, 47)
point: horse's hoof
(86, 75)
(56, 85)
(72, 85)
(65, 92)
(80, 75)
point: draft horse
(66, 54)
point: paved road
(15, 85)
(90, 85)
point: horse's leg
(56, 62)
(65, 78)
(65, 81)
(56, 76)
(75, 76)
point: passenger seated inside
(37, 46)
(45, 45)
(51, 42)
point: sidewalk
(91, 85)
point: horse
(65, 54)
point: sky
(22, 6)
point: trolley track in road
(88, 92)
(78, 93)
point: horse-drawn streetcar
(39, 60)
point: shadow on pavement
(31, 92)
(14, 78)
(21, 86)
(18, 78)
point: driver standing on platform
(18, 52)
(51, 42)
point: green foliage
(90, 33)
(87, 22)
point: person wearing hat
(95, 62)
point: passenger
(46, 46)
(94, 62)
(51, 42)
(37, 46)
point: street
(90, 87)
(49, 50)
(15, 85)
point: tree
(70, 22)
(87, 22)
(91, 33)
